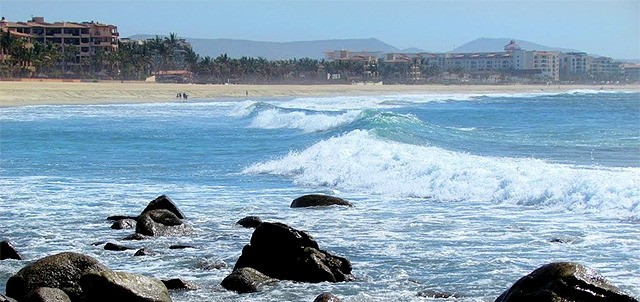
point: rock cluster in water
(275, 252)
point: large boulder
(246, 280)
(250, 222)
(7, 251)
(160, 223)
(563, 282)
(282, 252)
(163, 202)
(109, 286)
(62, 271)
(47, 294)
(318, 200)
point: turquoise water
(457, 193)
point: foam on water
(276, 119)
(359, 161)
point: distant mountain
(497, 45)
(280, 50)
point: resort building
(86, 38)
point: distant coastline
(24, 93)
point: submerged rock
(122, 224)
(250, 222)
(282, 252)
(62, 271)
(135, 236)
(115, 247)
(47, 294)
(436, 294)
(160, 223)
(246, 280)
(163, 202)
(120, 286)
(327, 297)
(121, 217)
(144, 252)
(7, 251)
(318, 200)
(565, 282)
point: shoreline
(16, 94)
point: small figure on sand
(179, 95)
(185, 96)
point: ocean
(456, 193)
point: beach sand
(50, 93)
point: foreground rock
(7, 251)
(246, 280)
(163, 202)
(326, 297)
(62, 271)
(120, 286)
(249, 222)
(160, 223)
(317, 200)
(563, 282)
(4, 298)
(46, 294)
(282, 252)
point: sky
(603, 27)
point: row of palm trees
(137, 61)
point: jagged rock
(144, 252)
(246, 280)
(120, 286)
(122, 224)
(4, 298)
(282, 252)
(250, 222)
(115, 247)
(563, 282)
(121, 217)
(327, 297)
(160, 223)
(173, 284)
(7, 251)
(135, 236)
(163, 202)
(62, 271)
(318, 200)
(436, 294)
(47, 294)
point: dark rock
(135, 236)
(120, 286)
(163, 202)
(566, 282)
(4, 298)
(282, 252)
(160, 223)
(206, 265)
(98, 243)
(318, 200)
(7, 251)
(62, 271)
(121, 217)
(327, 297)
(436, 294)
(246, 280)
(144, 252)
(173, 284)
(180, 247)
(122, 224)
(250, 222)
(47, 294)
(115, 247)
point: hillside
(497, 44)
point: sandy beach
(52, 93)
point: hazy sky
(610, 28)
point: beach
(16, 93)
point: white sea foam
(358, 161)
(277, 119)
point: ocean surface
(453, 193)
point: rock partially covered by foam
(62, 271)
(566, 282)
(282, 252)
(318, 200)
(160, 223)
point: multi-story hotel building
(89, 37)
